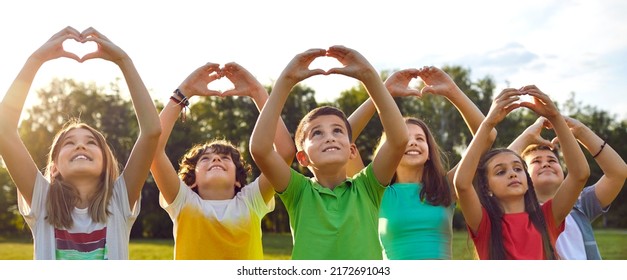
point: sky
(560, 46)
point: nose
(216, 158)
(512, 174)
(412, 142)
(80, 145)
(545, 164)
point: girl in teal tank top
(416, 214)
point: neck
(546, 194)
(86, 188)
(513, 206)
(329, 178)
(409, 174)
(216, 193)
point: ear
(353, 151)
(238, 185)
(53, 171)
(302, 158)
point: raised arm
(138, 164)
(398, 86)
(467, 196)
(439, 83)
(18, 161)
(246, 85)
(162, 170)
(578, 170)
(613, 166)
(271, 164)
(358, 67)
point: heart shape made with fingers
(525, 98)
(222, 84)
(325, 63)
(80, 49)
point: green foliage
(233, 119)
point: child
(500, 207)
(83, 208)
(577, 242)
(416, 215)
(216, 214)
(331, 216)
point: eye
(552, 161)
(518, 169)
(92, 142)
(499, 172)
(316, 133)
(534, 161)
(225, 157)
(69, 142)
(338, 130)
(203, 158)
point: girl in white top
(83, 208)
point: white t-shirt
(570, 243)
(86, 239)
(218, 229)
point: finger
(71, 56)
(92, 32)
(511, 107)
(210, 92)
(555, 142)
(337, 70)
(89, 56)
(412, 92)
(232, 92)
(544, 142)
(315, 72)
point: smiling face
(79, 154)
(506, 176)
(214, 169)
(545, 171)
(217, 164)
(417, 150)
(326, 143)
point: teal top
(338, 224)
(410, 229)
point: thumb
(555, 142)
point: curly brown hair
(190, 159)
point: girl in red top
(500, 207)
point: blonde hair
(63, 197)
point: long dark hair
(495, 213)
(435, 188)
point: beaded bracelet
(184, 103)
(184, 99)
(599, 152)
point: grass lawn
(612, 244)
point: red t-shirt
(521, 239)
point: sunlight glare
(78, 48)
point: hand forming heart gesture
(244, 83)
(54, 47)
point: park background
(233, 118)
(574, 51)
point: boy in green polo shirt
(331, 216)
